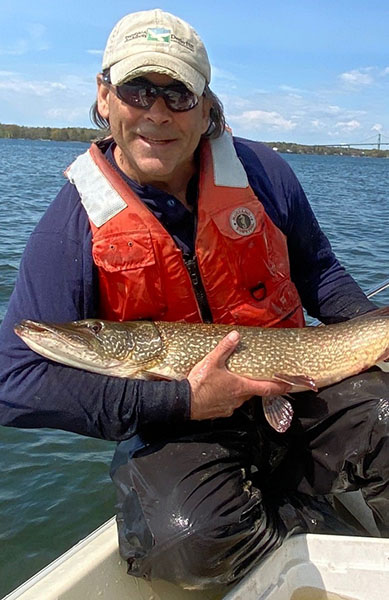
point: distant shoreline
(85, 134)
(292, 148)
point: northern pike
(307, 358)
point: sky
(305, 71)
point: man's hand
(216, 392)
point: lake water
(54, 486)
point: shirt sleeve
(57, 283)
(326, 290)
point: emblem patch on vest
(243, 221)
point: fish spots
(116, 343)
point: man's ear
(102, 97)
(206, 108)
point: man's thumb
(225, 347)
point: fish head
(111, 348)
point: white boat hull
(356, 567)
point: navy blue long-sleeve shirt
(57, 282)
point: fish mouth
(26, 326)
(28, 329)
(58, 344)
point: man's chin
(149, 172)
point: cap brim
(155, 62)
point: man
(171, 218)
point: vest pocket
(123, 251)
(129, 278)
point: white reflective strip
(227, 168)
(98, 197)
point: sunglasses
(141, 93)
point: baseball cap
(156, 41)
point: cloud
(377, 127)
(36, 88)
(357, 77)
(66, 115)
(363, 78)
(296, 92)
(95, 52)
(262, 119)
(44, 102)
(218, 73)
(317, 124)
(18, 48)
(8, 73)
(37, 35)
(346, 126)
(33, 40)
(332, 109)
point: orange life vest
(242, 256)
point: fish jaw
(121, 349)
(54, 343)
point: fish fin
(300, 381)
(383, 365)
(278, 412)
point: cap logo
(243, 221)
(158, 34)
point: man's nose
(159, 112)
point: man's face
(156, 146)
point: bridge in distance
(377, 143)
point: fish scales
(306, 358)
(326, 354)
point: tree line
(57, 134)
(85, 134)
(290, 147)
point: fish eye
(96, 326)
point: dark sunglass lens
(138, 96)
(143, 95)
(180, 99)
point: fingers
(216, 392)
(225, 348)
(252, 387)
(266, 388)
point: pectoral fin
(278, 412)
(301, 381)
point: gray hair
(217, 119)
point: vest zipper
(198, 287)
